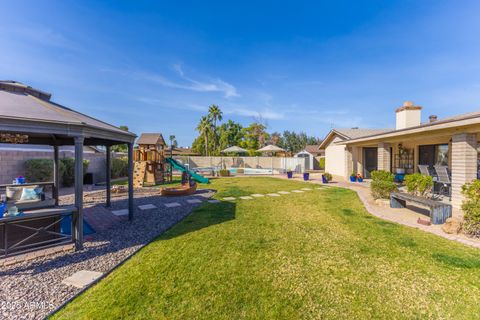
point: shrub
(39, 170)
(471, 208)
(328, 176)
(68, 171)
(382, 184)
(321, 163)
(418, 184)
(119, 167)
(224, 173)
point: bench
(439, 211)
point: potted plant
(353, 177)
(289, 173)
(359, 178)
(326, 177)
(306, 176)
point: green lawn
(318, 254)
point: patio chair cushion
(14, 193)
(30, 194)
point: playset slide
(180, 167)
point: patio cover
(28, 111)
(234, 149)
(271, 148)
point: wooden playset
(151, 167)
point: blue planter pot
(353, 179)
(360, 179)
(324, 180)
(289, 174)
(306, 176)
(20, 180)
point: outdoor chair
(423, 168)
(443, 178)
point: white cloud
(264, 114)
(187, 83)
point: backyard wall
(279, 164)
(12, 163)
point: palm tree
(215, 114)
(173, 143)
(204, 128)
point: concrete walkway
(407, 216)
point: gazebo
(27, 115)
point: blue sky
(156, 66)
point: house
(312, 155)
(451, 141)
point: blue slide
(180, 167)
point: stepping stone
(284, 192)
(172, 204)
(82, 278)
(273, 195)
(306, 189)
(194, 201)
(246, 198)
(147, 207)
(229, 198)
(297, 191)
(214, 201)
(257, 195)
(321, 188)
(122, 212)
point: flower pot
(359, 179)
(20, 180)
(306, 176)
(324, 180)
(353, 179)
(290, 174)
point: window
(434, 155)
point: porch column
(77, 230)
(131, 206)
(355, 160)
(56, 174)
(384, 157)
(464, 164)
(108, 176)
(348, 162)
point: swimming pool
(250, 171)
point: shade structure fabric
(271, 148)
(234, 149)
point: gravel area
(32, 289)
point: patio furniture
(423, 168)
(16, 191)
(443, 178)
(439, 211)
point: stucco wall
(12, 163)
(335, 158)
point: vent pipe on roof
(432, 118)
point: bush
(39, 170)
(224, 173)
(119, 167)
(68, 171)
(418, 184)
(471, 208)
(328, 176)
(382, 184)
(321, 163)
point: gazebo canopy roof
(26, 110)
(271, 148)
(234, 149)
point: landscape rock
(452, 226)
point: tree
(254, 137)
(230, 134)
(215, 114)
(205, 128)
(275, 138)
(173, 143)
(120, 147)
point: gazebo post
(131, 207)
(108, 176)
(56, 174)
(77, 232)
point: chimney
(408, 115)
(432, 118)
